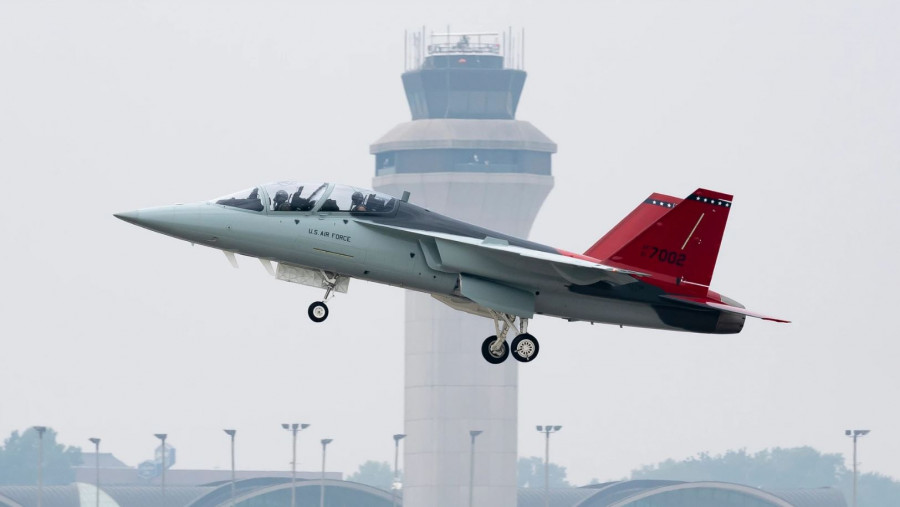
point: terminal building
(266, 492)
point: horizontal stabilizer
(718, 305)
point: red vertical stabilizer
(647, 212)
(682, 244)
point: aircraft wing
(496, 259)
(718, 305)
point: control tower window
(360, 200)
(245, 199)
(384, 163)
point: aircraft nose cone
(181, 221)
(132, 217)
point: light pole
(96, 442)
(547, 430)
(231, 433)
(40, 431)
(162, 438)
(396, 485)
(294, 428)
(325, 442)
(473, 434)
(855, 434)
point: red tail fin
(647, 212)
(683, 243)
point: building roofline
(754, 492)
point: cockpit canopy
(307, 197)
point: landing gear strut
(318, 311)
(524, 347)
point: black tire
(524, 348)
(489, 356)
(318, 311)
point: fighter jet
(652, 270)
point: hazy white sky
(115, 332)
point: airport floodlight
(96, 442)
(325, 442)
(473, 434)
(854, 434)
(162, 465)
(294, 428)
(40, 431)
(547, 430)
(395, 486)
(231, 434)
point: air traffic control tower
(464, 154)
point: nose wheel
(318, 311)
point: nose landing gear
(318, 310)
(524, 347)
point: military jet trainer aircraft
(651, 270)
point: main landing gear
(318, 310)
(524, 347)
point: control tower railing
(464, 44)
(508, 45)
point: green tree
(374, 473)
(872, 490)
(19, 459)
(801, 467)
(531, 474)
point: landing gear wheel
(525, 347)
(318, 311)
(494, 356)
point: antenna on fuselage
(405, 196)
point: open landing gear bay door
(311, 277)
(498, 297)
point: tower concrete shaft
(466, 157)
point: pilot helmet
(280, 196)
(357, 198)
